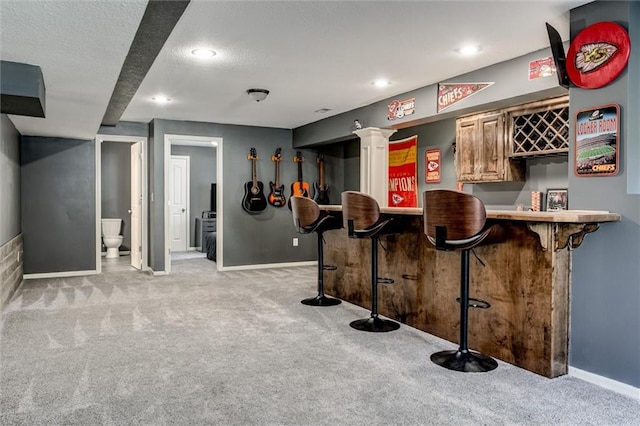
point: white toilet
(111, 236)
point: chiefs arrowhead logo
(396, 199)
(594, 55)
(597, 55)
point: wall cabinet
(491, 147)
(481, 150)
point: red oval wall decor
(598, 54)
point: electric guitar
(276, 196)
(321, 194)
(253, 200)
(300, 187)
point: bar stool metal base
(321, 300)
(465, 361)
(374, 324)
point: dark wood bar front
(526, 279)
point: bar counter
(526, 279)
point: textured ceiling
(80, 46)
(309, 54)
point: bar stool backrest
(305, 212)
(361, 208)
(463, 215)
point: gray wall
(202, 174)
(351, 166)
(606, 267)
(58, 204)
(542, 173)
(512, 87)
(126, 128)
(248, 239)
(116, 186)
(10, 180)
(605, 318)
(441, 134)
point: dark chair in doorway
(308, 218)
(457, 221)
(361, 215)
(210, 245)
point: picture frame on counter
(557, 199)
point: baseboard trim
(269, 265)
(606, 383)
(58, 274)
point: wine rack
(538, 129)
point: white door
(136, 205)
(179, 202)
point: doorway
(196, 142)
(133, 210)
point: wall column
(374, 162)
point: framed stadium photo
(597, 149)
(557, 199)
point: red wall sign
(432, 166)
(598, 55)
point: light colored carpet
(238, 348)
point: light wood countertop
(563, 216)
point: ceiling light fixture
(322, 110)
(203, 53)
(161, 99)
(381, 83)
(468, 50)
(258, 95)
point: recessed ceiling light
(322, 110)
(161, 99)
(203, 53)
(468, 50)
(381, 83)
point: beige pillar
(374, 162)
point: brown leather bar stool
(456, 221)
(361, 215)
(308, 218)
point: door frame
(215, 142)
(187, 183)
(143, 190)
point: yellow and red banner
(403, 173)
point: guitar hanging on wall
(276, 196)
(254, 200)
(321, 194)
(300, 187)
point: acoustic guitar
(254, 200)
(276, 196)
(321, 194)
(299, 187)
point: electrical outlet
(295, 242)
